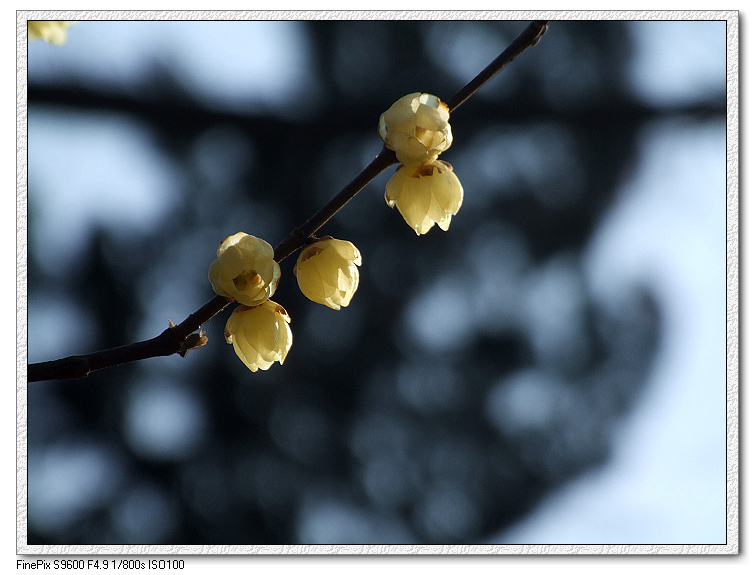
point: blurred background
(550, 370)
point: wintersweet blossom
(327, 271)
(245, 270)
(426, 195)
(416, 128)
(52, 31)
(260, 335)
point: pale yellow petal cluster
(260, 335)
(245, 270)
(327, 271)
(426, 195)
(52, 31)
(416, 128)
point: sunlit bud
(52, 31)
(416, 128)
(245, 270)
(260, 335)
(426, 195)
(327, 271)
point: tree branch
(181, 338)
(529, 37)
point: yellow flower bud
(416, 128)
(52, 31)
(426, 195)
(245, 270)
(327, 271)
(260, 335)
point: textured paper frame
(732, 291)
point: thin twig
(180, 338)
(297, 237)
(529, 37)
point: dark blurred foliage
(472, 372)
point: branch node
(543, 25)
(194, 341)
